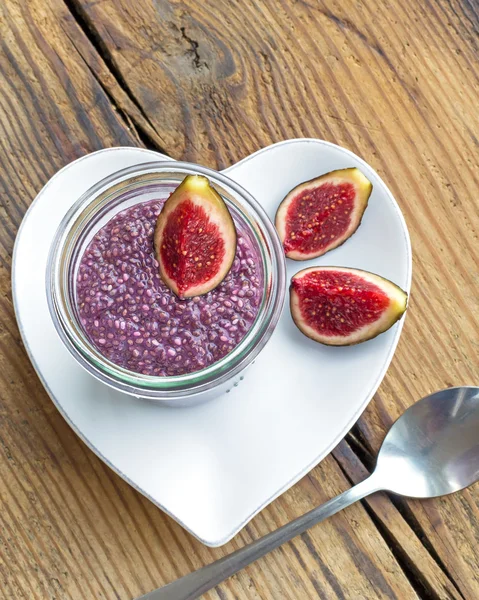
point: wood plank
(197, 82)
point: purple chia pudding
(136, 322)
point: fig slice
(340, 307)
(319, 215)
(195, 238)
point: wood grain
(211, 82)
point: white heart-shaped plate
(213, 467)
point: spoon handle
(194, 584)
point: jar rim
(62, 254)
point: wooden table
(211, 82)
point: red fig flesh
(195, 238)
(339, 306)
(321, 214)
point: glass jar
(125, 188)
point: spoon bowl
(433, 448)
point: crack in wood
(144, 138)
(407, 514)
(85, 23)
(356, 438)
(116, 107)
(194, 45)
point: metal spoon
(431, 450)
